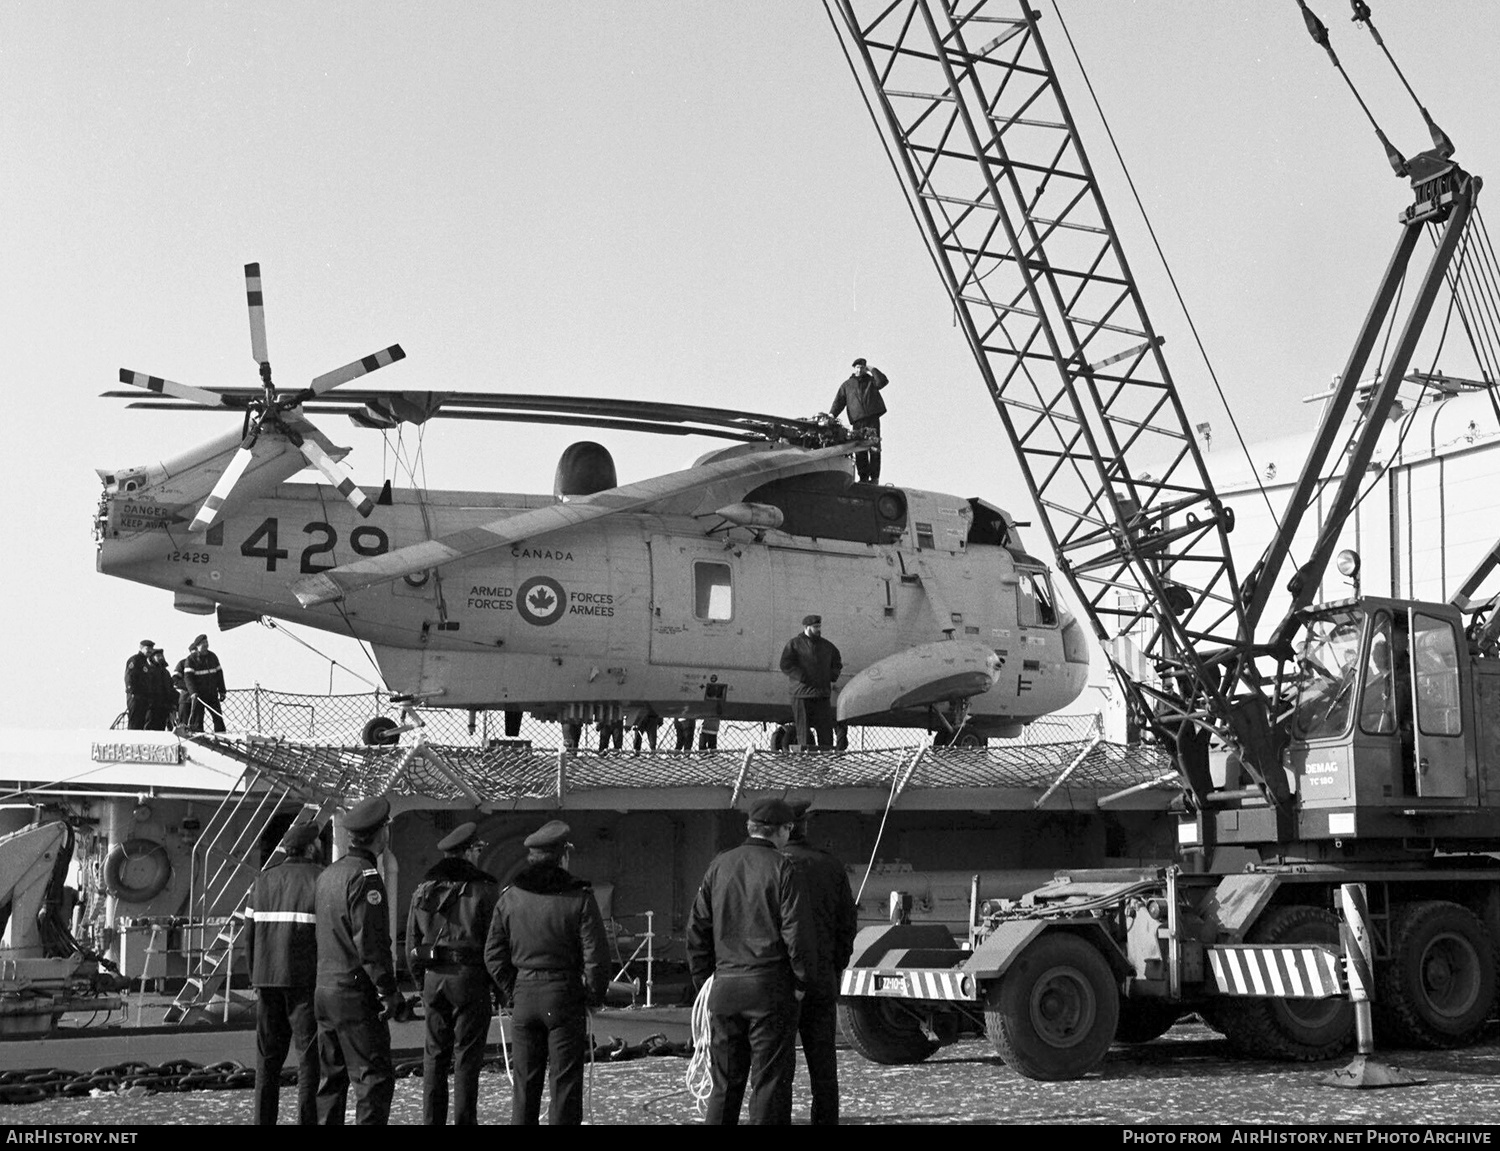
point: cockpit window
(1328, 671)
(713, 592)
(1035, 606)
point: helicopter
(598, 601)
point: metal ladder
(225, 878)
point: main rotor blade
(337, 475)
(331, 380)
(210, 509)
(255, 299)
(168, 388)
(468, 542)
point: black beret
(299, 835)
(550, 836)
(809, 620)
(200, 639)
(146, 643)
(368, 814)
(459, 838)
(858, 363)
(774, 811)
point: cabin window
(926, 541)
(713, 593)
(1381, 694)
(1434, 653)
(1034, 603)
(1327, 671)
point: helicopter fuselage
(686, 614)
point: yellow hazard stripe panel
(1305, 972)
(911, 983)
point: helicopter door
(1439, 726)
(710, 605)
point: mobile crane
(1349, 742)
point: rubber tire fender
(132, 851)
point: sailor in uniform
(546, 951)
(281, 950)
(446, 930)
(356, 990)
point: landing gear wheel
(1054, 1012)
(884, 1031)
(1301, 1030)
(1142, 1020)
(1438, 988)
(382, 731)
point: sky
(653, 200)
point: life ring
(137, 870)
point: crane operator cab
(1382, 714)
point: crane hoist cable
(1162, 257)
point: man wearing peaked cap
(772, 812)
(546, 952)
(356, 992)
(747, 934)
(281, 950)
(298, 836)
(203, 680)
(551, 836)
(446, 928)
(138, 687)
(812, 665)
(833, 921)
(860, 394)
(367, 815)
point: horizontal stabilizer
(937, 672)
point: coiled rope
(700, 1080)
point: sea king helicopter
(598, 601)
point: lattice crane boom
(1013, 216)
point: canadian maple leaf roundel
(541, 600)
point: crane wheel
(1142, 1020)
(885, 1031)
(1053, 1014)
(1438, 988)
(137, 870)
(1300, 1030)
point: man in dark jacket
(281, 950)
(163, 694)
(356, 992)
(747, 932)
(860, 395)
(184, 709)
(546, 952)
(812, 664)
(204, 680)
(138, 687)
(829, 905)
(446, 931)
